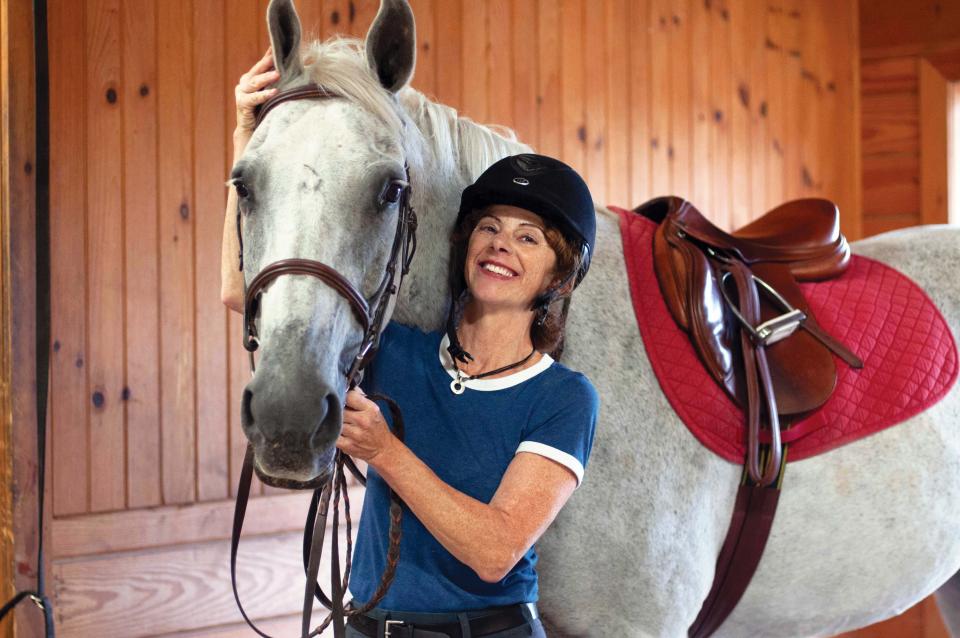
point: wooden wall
(910, 52)
(736, 104)
(904, 143)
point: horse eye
(242, 190)
(393, 192)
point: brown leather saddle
(737, 297)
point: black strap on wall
(43, 324)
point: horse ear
(392, 44)
(284, 26)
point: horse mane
(454, 145)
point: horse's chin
(302, 478)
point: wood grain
(184, 587)
(617, 116)
(660, 82)
(177, 211)
(212, 338)
(549, 84)
(69, 403)
(105, 232)
(141, 391)
(174, 525)
(933, 145)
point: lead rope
(313, 538)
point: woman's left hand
(365, 434)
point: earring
(541, 316)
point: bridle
(371, 314)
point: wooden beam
(917, 25)
(147, 528)
(933, 145)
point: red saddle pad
(909, 354)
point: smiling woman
(487, 466)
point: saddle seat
(803, 233)
(797, 241)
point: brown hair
(547, 335)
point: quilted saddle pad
(909, 354)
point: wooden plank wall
(904, 124)
(910, 52)
(737, 104)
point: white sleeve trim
(567, 460)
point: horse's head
(320, 180)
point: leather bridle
(371, 314)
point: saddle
(737, 296)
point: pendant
(456, 386)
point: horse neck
(453, 151)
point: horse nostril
(328, 424)
(246, 414)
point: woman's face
(509, 261)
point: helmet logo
(521, 181)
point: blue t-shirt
(468, 440)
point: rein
(371, 314)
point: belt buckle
(387, 624)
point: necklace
(457, 387)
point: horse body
(862, 532)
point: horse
(862, 533)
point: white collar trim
(500, 383)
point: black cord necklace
(457, 385)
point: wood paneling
(70, 402)
(141, 390)
(904, 103)
(896, 27)
(933, 145)
(734, 107)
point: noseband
(371, 315)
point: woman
(497, 432)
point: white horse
(862, 533)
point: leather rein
(371, 315)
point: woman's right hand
(249, 93)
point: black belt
(482, 624)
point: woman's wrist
(241, 136)
(389, 454)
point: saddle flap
(803, 370)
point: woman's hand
(365, 434)
(249, 93)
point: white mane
(457, 146)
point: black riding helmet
(541, 185)
(544, 186)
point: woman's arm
(231, 277)
(489, 538)
(248, 93)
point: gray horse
(862, 533)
